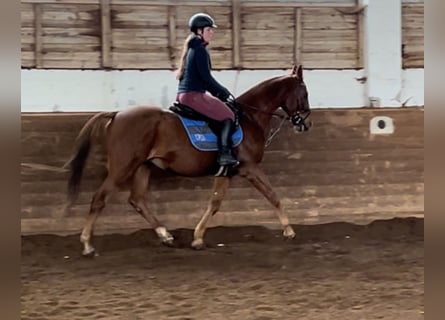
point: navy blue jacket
(197, 76)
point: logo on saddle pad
(203, 138)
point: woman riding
(195, 79)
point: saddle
(202, 130)
(187, 112)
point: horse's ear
(294, 70)
(300, 72)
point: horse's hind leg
(138, 199)
(219, 190)
(259, 180)
(96, 207)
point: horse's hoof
(168, 242)
(289, 233)
(89, 253)
(198, 244)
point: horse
(138, 138)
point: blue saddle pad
(203, 138)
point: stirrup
(227, 160)
(229, 163)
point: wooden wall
(413, 35)
(336, 172)
(126, 34)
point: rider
(195, 78)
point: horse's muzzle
(301, 122)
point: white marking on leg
(289, 232)
(163, 234)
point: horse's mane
(259, 86)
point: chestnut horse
(140, 137)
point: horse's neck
(263, 100)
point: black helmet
(201, 20)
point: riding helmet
(201, 20)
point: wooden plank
(141, 60)
(82, 2)
(254, 52)
(72, 36)
(222, 59)
(267, 38)
(413, 35)
(142, 16)
(27, 35)
(105, 10)
(238, 199)
(313, 16)
(298, 34)
(71, 59)
(127, 38)
(264, 4)
(200, 3)
(332, 35)
(360, 28)
(38, 35)
(173, 3)
(328, 45)
(27, 15)
(28, 59)
(328, 24)
(33, 205)
(71, 16)
(329, 60)
(127, 224)
(236, 30)
(36, 189)
(264, 22)
(172, 36)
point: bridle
(298, 119)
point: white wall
(76, 90)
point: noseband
(299, 121)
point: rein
(265, 112)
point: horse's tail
(94, 127)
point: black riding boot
(225, 157)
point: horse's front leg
(219, 190)
(259, 180)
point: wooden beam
(207, 4)
(298, 35)
(106, 32)
(38, 33)
(172, 35)
(62, 1)
(236, 31)
(137, 2)
(360, 40)
(258, 4)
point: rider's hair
(180, 71)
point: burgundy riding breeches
(206, 105)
